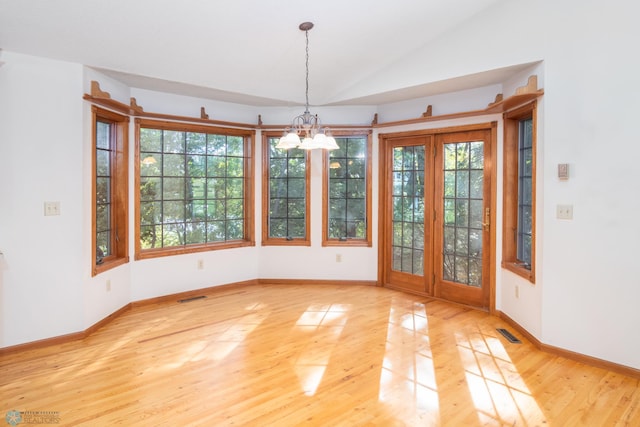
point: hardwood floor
(289, 355)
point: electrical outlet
(564, 211)
(517, 291)
(51, 208)
(200, 264)
(338, 257)
(108, 285)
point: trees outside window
(195, 189)
(519, 191)
(347, 192)
(109, 190)
(285, 194)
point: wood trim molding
(63, 339)
(317, 282)
(568, 354)
(102, 98)
(193, 293)
(522, 95)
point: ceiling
(243, 51)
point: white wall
(585, 298)
(587, 289)
(40, 160)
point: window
(285, 194)
(109, 190)
(347, 192)
(519, 191)
(195, 188)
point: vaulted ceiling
(244, 51)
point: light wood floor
(311, 355)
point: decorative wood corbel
(375, 119)
(259, 119)
(96, 92)
(135, 107)
(499, 98)
(203, 114)
(530, 87)
(428, 112)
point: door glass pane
(408, 209)
(462, 207)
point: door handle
(487, 219)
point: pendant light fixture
(307, 126)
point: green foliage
(191, 188)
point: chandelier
(307, 125)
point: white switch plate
(51, 208)
(564, 211)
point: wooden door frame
(383, 197)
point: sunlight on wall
(323, 324)
(407, 378)
(497, 389)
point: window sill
(347, 243)
(108, 264)
(520, 270)
(285, 242)
(180, 250)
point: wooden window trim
(249, 178)
(119, 190)
(510, 191)
(281, 241)
(367, 241)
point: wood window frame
(119, 173)
(248, 220)
(510, 260)
(282, 241)
(367, 240)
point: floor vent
(509, 336)
(192, 299)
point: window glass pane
(151, 140)
(103, 135)
(196, 143)
(408, 210)
(287, 192)
(525, 191)
(193, 193)
(173, 141)
(463, 169)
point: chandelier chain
(306, 33)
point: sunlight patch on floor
(407, 378)
(497, 389)
(324, 325)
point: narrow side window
(519, 191)
(109, 190)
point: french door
(436, 214)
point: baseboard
(317, 282)
(63, 339)
(568, 354)
(193, 293)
